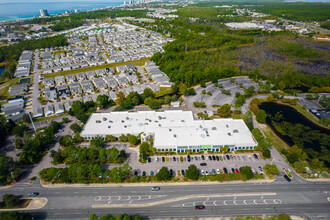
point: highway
(301, 198)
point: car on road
(232, 170)
(261, 170)
(287, 178)
(149, 160)
(163, 159)
(218, 171)
(151, 173)
(225, 170)
(217, 157)
(237, 171)
(182, 172)
(255, 156)
(144, 173)
(203, 158)
(174, 159)
(166, 159)
(155, 188)
(203, 164)
(227, 156)
(213, 157)
(199, 206)
(33, 194)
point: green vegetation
(10, 201)
(10, 54)
(15, 215)
(271, 170)
(163, 174)
(85, 173)
(83, 155)
(298, 50)
(263, 143)
(8, 170)
(192, 172)
(118, 217)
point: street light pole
(32, 122)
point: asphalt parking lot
(246, 81)
(218, 162)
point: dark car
(203, 158)
(287, 178)
(213, 157)
(213, 171)
(210, 158)
(232, 170)
(182, 172)
(196, 158)
(163, 159)
(255, 156)
(136, 173)
(188, 158)
(217, 157)
(149, 160)
(151, 173)
(227, 156)
(33, 194)
(199, 206)
(225, 170)
(203, 164)
(171, 172)
(174, 159)
(144, 173)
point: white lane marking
(235, 202)
(244, 202)
(265, 201)
(224, 202)
(128, 198)
(214, 203)
(139, 198)
(97, 198)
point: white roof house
(59, 109)
(173, 130)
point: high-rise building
(131, 2)
(77, 10)
(44, 13)
(125, 2)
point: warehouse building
(176, 131)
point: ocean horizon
(18, 11)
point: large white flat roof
(170, 128)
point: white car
(253, 171)
(156, 159)
(202, 172)
(218, 171)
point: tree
(271, 98)
(104, 101)
(272, 169)
(163, 174)
(10, 200)
(190, 91)
(123, 138)
(292, 158)
(65, 120)
(154, 104)
(66, 140)
(75, 128)
(132, 139)
(247, 172)
(144, 147)
(224, 110)
(18, 143)
(147, 93)
(266, 153)
(192, 172)
(26, 118)
(97, 141)
(254, 108)
(261, 116)
(120, 98)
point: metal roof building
(172, 130)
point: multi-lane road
(300, 198)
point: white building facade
(175, 131)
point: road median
(36, 203)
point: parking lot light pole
(32, 122)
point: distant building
(131, 2)
(44, 13)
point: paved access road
(298, 197)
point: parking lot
(207, 164)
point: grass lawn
(163, 91)
(135, 62)
(278, 143)
(23, 203)
(48, 118)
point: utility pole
(32, 122)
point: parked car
(151, 173)
(202, 172)
(166, 159)
(33, 194)
(261, 170)
(199, 206)
(227, 156)
(213, 157)
(218, 171)
(163, 159)
(213, 171)
(210, 158)
(217, 157)
(237, 171)
(174, 159)
(155, 188)
(255, 156)
(253, 171)
(196, 158)
(287, 178)
(136, 173)
(203, 158)
(203, 164)
(182, 172)
(232, 170)
(171, 172)
(206, 172)
(149, 160)
(144, 173)
(188, 158)
(225, 170)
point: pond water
(2, 69)
(307, 137)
